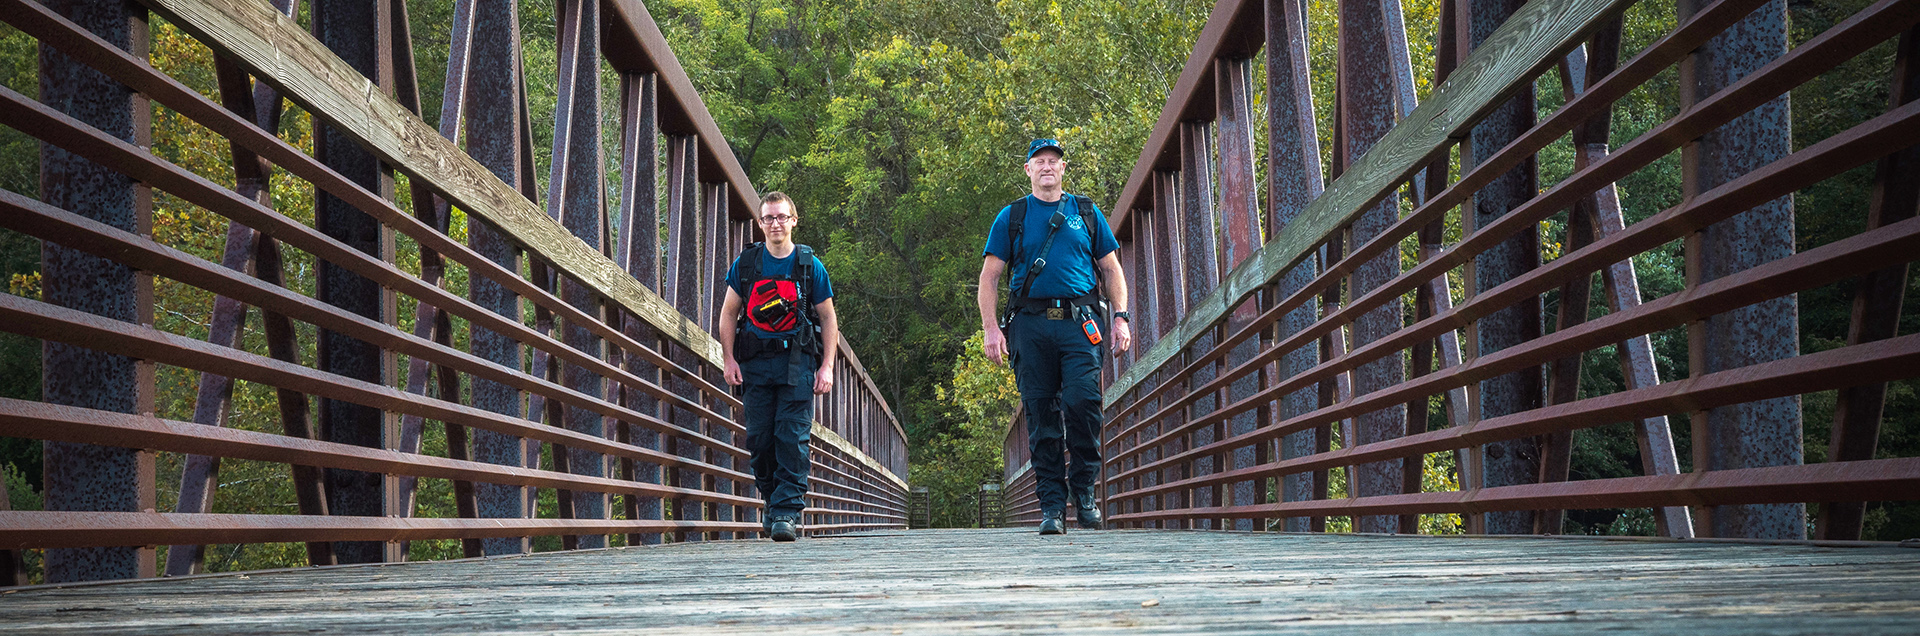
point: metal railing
(581, 338)
(1290, 335)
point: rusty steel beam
(429, 321)
(341, 25)
(1655, 58)
(1200, 237)
(1293, 166)
(713, 257)
(82, 477)
(1366, 96)
(1764, 433)
(575, 198)
(639, 255)
(1841, 42)
(681, 285)
(1877, 299)
(493, 122)
(143, 431)
(1240, 225)
(77, 529)
(1814, 267)
(1516, 461)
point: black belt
(1054, 308)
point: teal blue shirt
(1069, 272)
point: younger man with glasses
(779, 336)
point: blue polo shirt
(1069, 272)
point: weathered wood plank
(278, 51)
(1011, 580)
(1536, 37)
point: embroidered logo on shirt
(1074, 222)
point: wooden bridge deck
(1014, 581)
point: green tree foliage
(978, 398)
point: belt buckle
(1056, 313)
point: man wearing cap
(1063, 256)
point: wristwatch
(1122, 314)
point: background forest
(899, 127)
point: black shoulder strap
(1087, 218)
(1016, 225)
(750, 264)
(802, 276)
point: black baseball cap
(1045, 144)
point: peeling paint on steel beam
(1767, 432)
(575, 191)
(639, 256)
(1240, 225)
(1295, 179)
(493, 123)
(83, 477)
(1512, 462)
(1200, 238)
(342, 26)
(1366, 98)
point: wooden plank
(1012, 580)
(277, 50)
(1537, 36)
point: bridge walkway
(1012, 580)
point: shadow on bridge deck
(941, 581)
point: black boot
(1089, 510)
(1051, 523)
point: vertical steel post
(683, 226)
(84, 477)
(714, 270)
(1366, 97)
(1877, 298)
(342, 26)
(1765, 432)
(1240, 223)
(493, 124)
(1200, 237)
(575, 192)
(1170, 305)
(639, 254)
(1515, 461)
(1293, 166)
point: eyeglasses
(776, 219)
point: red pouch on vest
(772, 305)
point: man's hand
(995, 346)
(823, 380)
(733, 372)
(1122, 334)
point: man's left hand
(823, 380)
(1122, 334)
